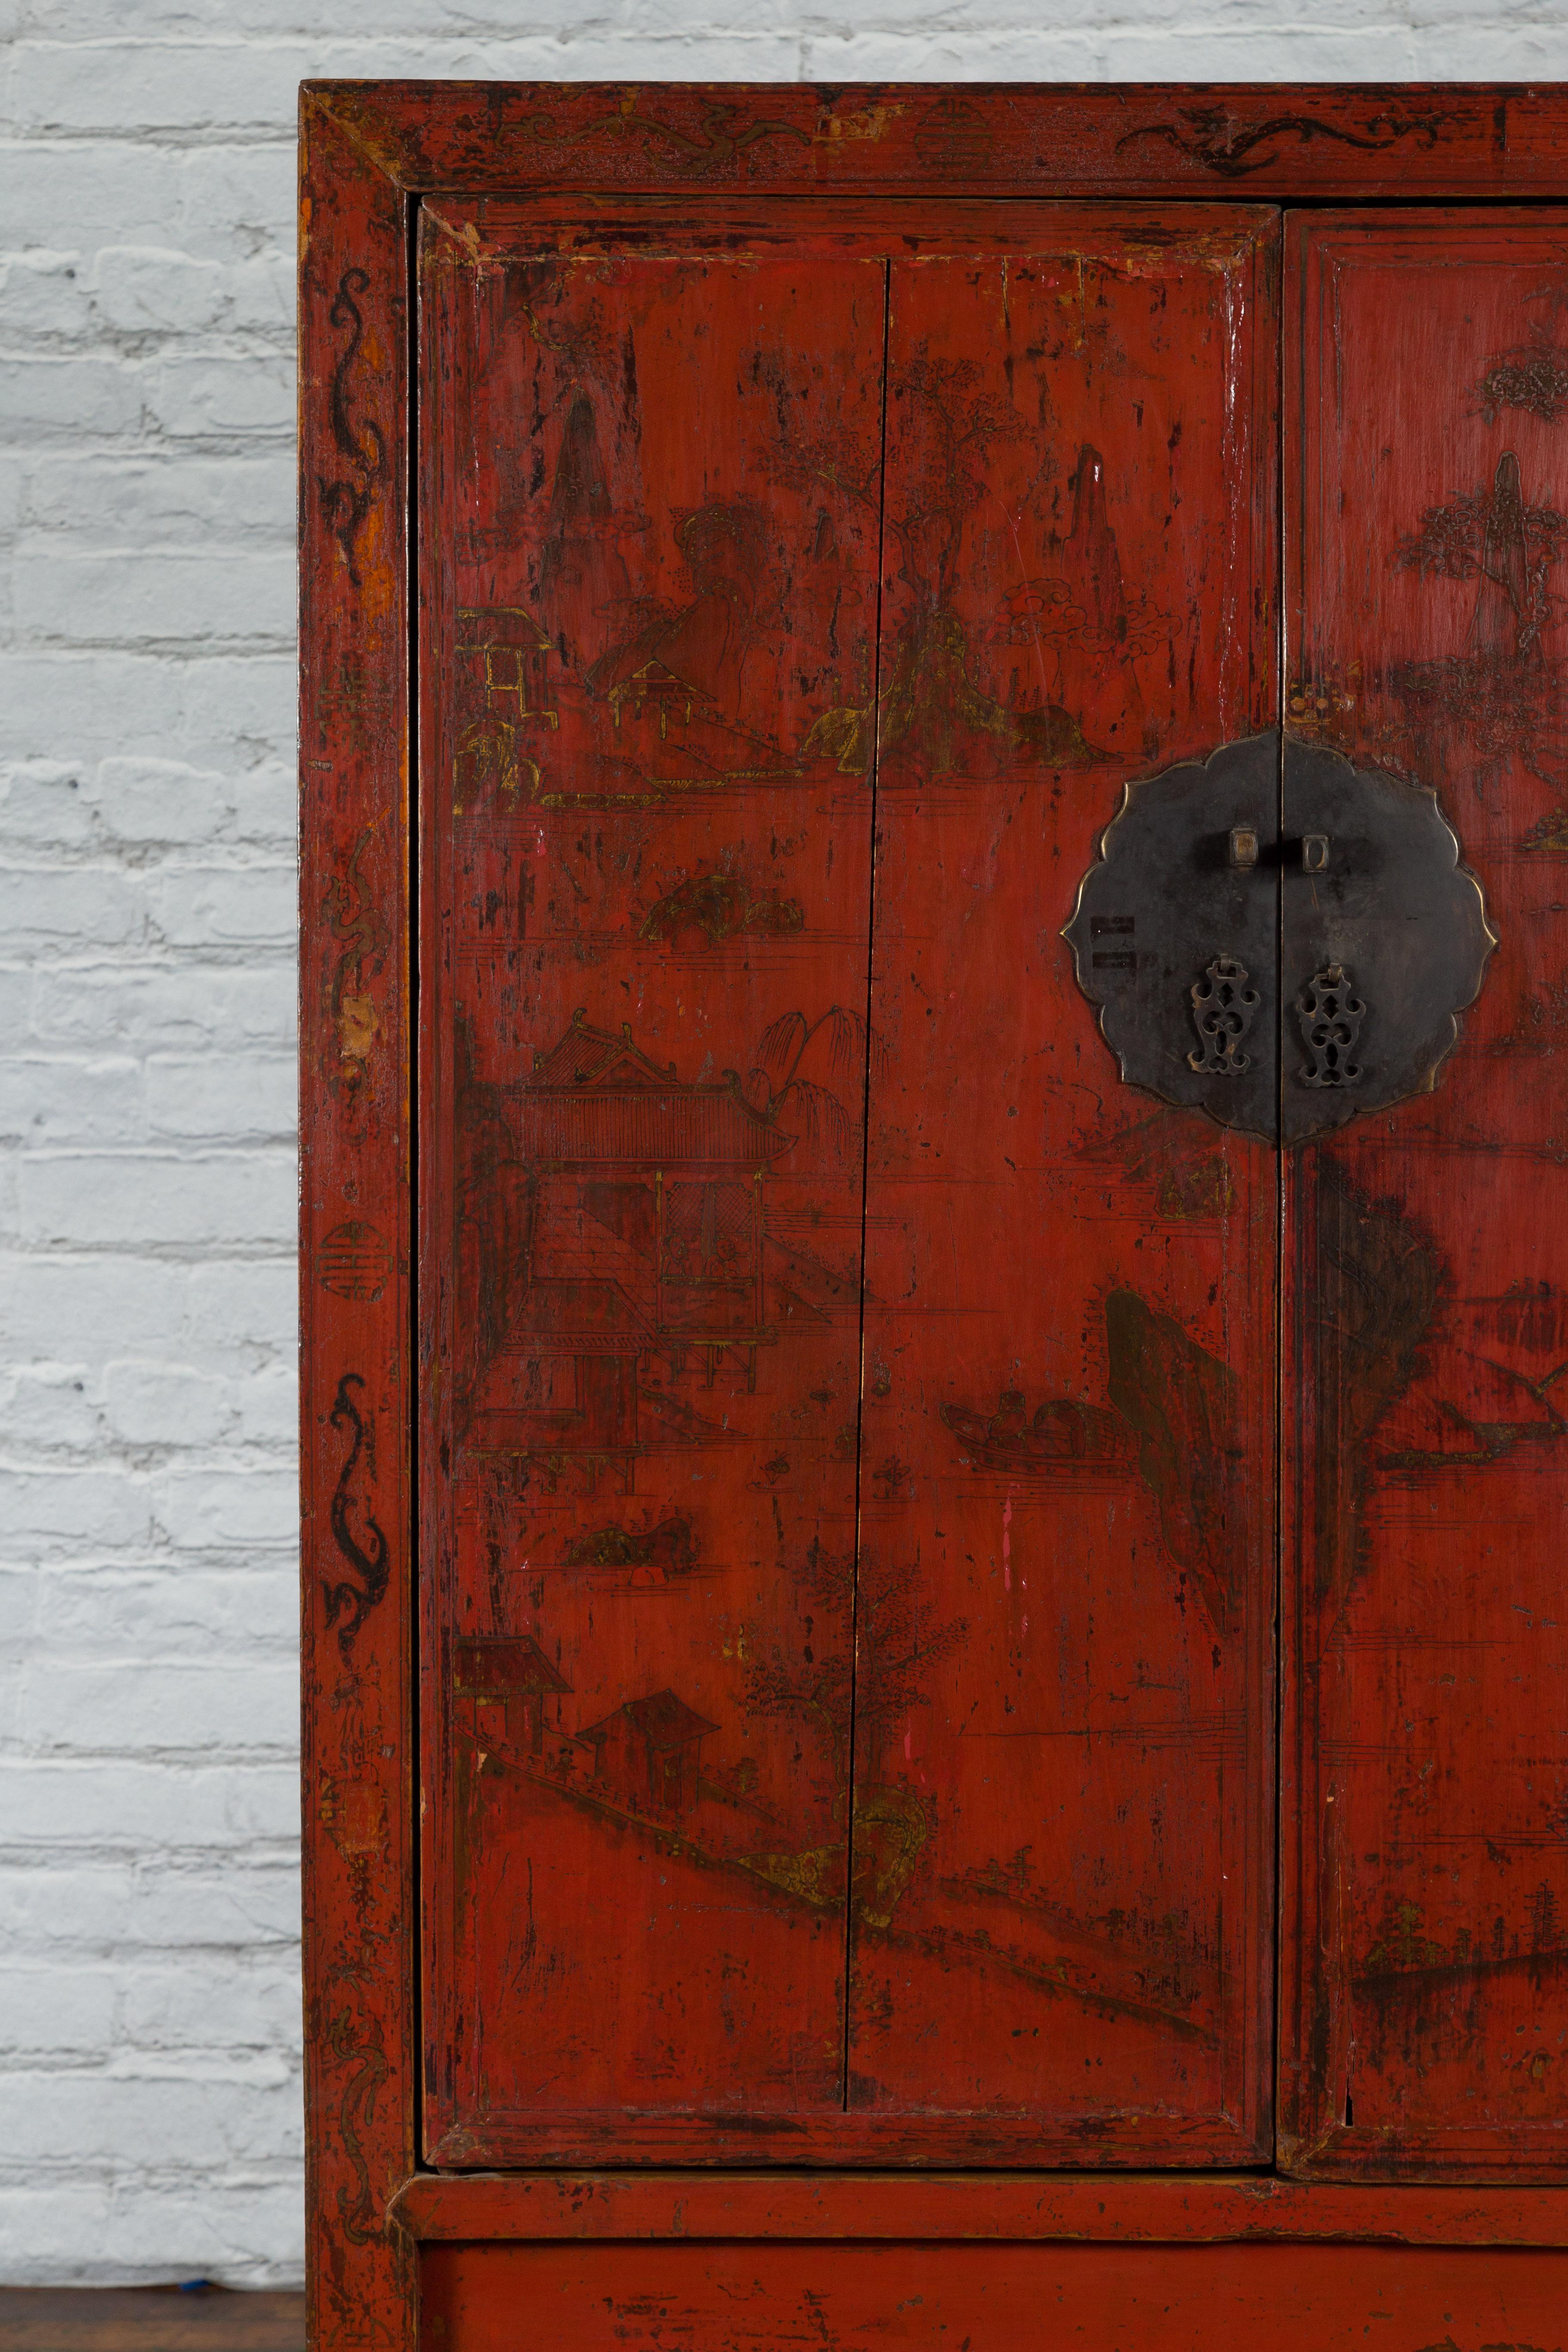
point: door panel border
(1229, 2123)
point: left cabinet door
(646, 634)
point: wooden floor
(149, 2319)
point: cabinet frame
(370, 153)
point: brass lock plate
(1279, 938)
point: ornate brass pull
(1222, 1007)
(1330, 1013)
(1348, 917)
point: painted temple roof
(664, 1721)
(595, 1096)
(481, 626)
(509, 1666)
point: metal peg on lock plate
(1243, 845)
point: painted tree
(777, 1082)
(874, 1641)
(1499, 539)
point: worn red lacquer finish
(648, 893)
(1322, 143)
(1426, 1951)
(839, 1628)
(1106, 2298)
(355, 1242)
(1064, 1777)
(665, 1684)
(1006, 2208)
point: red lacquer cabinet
(933, 774)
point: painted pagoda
(637, 1236)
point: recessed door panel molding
(1426, 1940)
(1064, 1773)
(689, 1654)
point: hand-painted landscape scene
(850, 1591)
(1431, 1285)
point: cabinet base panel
(713, 2296)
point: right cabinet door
(1424, 2025)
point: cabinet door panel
(671, 462)
(1425, 1950)
(1064, 1761)
(646, 884)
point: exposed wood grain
(149, 2319)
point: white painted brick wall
(149, 2035)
